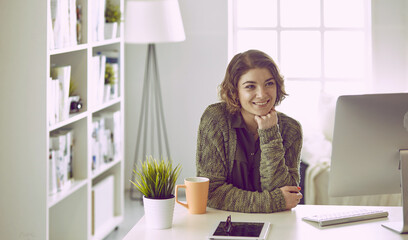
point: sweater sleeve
(280, 155)
(213, 162)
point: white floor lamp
(151, 22)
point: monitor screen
(368, 135)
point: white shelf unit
(28, 210)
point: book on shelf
(112, 56)
(102, 145)
(112, 59)
(50, 32)
(53, 101)
(106, 138)
(59, 93)
(69, 149)
(112, 122)
(61, 156)
(72, 18)
(98, 69)
(63, 20)
(96, 153)
(56, 101)
(101, 80)
(58, 24)
(52, 173)
(106, 90)
(98, 20)
(104, 141)
(95, 75)
(51, 113)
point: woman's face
(257, 92)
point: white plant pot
(106, 93)
(159, 212)
(110, 30)
(114, 91)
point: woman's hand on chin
(267, 121)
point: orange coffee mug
(196, 194)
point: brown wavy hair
(241, 64)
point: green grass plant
(156, 178)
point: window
(319, 46)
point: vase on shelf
(111, 30)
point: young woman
(248, 150)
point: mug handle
(177, 187)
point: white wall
(190, 73)
(390, 45)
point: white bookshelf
(28, 210)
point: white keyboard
(346, 216)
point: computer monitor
(370, 148)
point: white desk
(284, 225)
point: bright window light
(265, 41)
(301, 54)
(257, 13)
(344, 13)
(302, 102)
(320, 46)
(344, 54)
(300, 13)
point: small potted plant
(156, 181)
(110, 81)
(112, 19)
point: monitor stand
(402, 227)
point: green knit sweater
(280, 160)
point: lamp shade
(153, 21)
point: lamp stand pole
(152, 105)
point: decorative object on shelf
(75, 101)
(156, 181)
(75, 104)
(79, 23)
(110, 30)
(152, 22)
(112, 19)
(109, 75)
(110, 81)
(112, 69)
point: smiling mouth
(261, 103)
